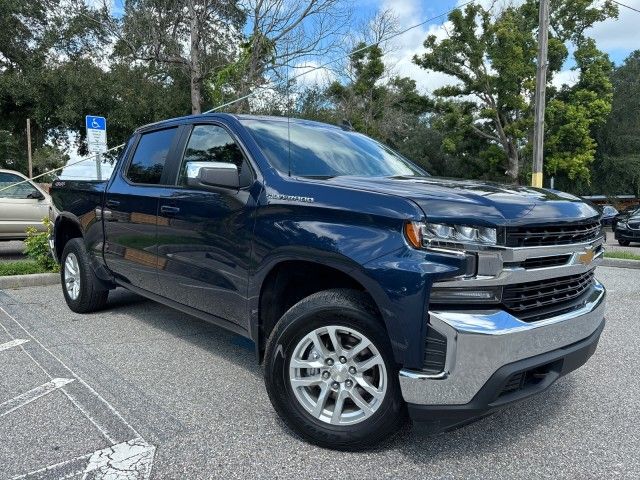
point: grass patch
(21, 267)
(622, 255)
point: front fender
(370, 249)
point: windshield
(319, 150)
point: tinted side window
(150, 156)
(210, 143)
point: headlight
(423, 234)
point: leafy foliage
(55, 69)
(37, 247)
(493, 59)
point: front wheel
(82, 290)
(330, 373)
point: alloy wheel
(338, 375)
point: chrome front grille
(537, 236)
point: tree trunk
(513, 169)
(195, 71)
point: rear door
(131, 209)
(21, 206)
(204, 234)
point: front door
(204, 235)
(131, 210)
(21, 205)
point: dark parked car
(369, 288)
(608, 214)
(627, 228)
(624, 215)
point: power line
(63, 167)
(626, 6)
(324, 65)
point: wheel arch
(289, 280)
(65, 228)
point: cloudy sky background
(617, 37)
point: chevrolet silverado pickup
(370, 289)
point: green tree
(33, 37)
(574, 115)
(194, 37)
(617, 166)
(492, 58)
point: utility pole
(541, 90)
(99, 166)
(29, 148)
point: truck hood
(477, 202)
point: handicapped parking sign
(96, 133)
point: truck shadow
(216, 340)
(489, 435)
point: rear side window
(150, 157)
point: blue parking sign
(95, 123)
(96, 134)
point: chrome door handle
(169, 210)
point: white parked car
(21, 206)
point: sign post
(97, 139)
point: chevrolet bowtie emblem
(587, 257)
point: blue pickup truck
(371, 290)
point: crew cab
(369, 288)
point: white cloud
(619, 34)
(565, 77)
(310, 73)
(403, 48)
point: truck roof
(205, 116)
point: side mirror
(35, 195)
(212, 174)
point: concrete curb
(34, 280)
(620, 263)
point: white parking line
(33, 394)
(132, 459)
(12, 343)
(84, 384)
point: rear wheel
(82, 290)
(330, 373)
(624, 243)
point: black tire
(339, 307)
(92, 295)
(624, 243)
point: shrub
(37, 247)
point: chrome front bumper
(479, 343)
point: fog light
(465, 295)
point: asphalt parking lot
(141, 389)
